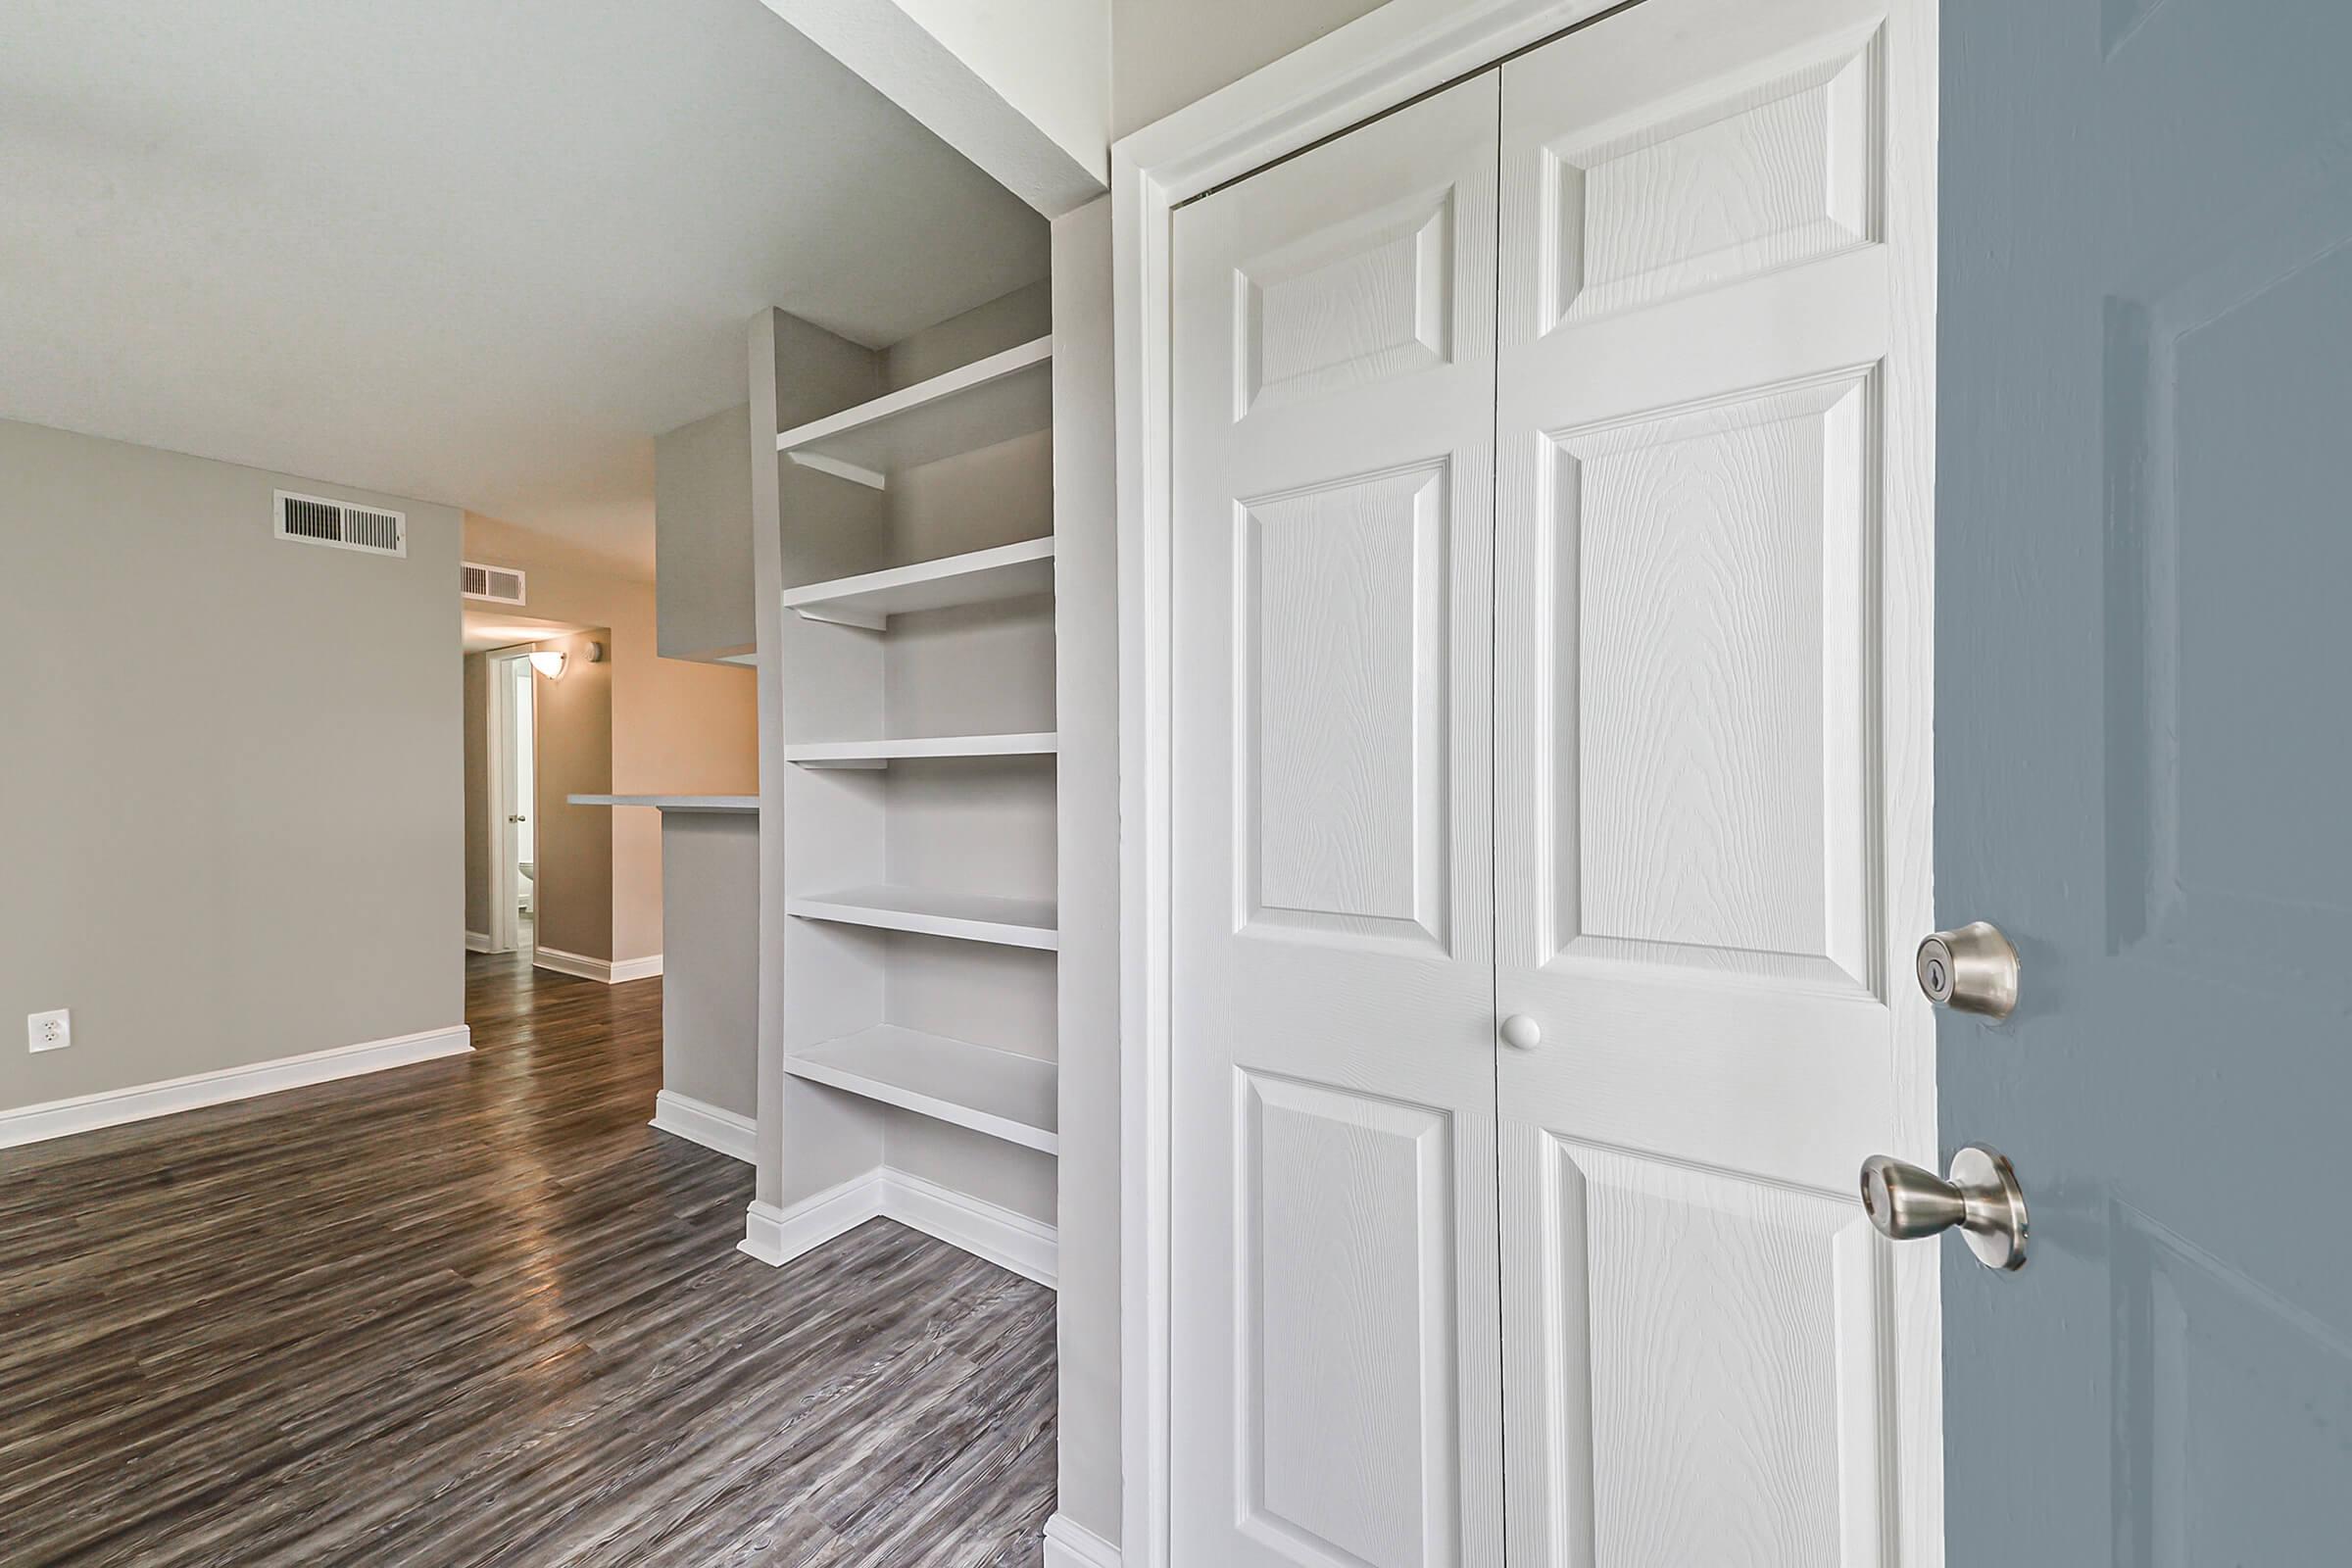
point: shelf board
(983, 576)
(881, 754)
(995, 1091)
(674, 803)
(967, 917)
(970, 407)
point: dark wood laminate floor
(476, 1311)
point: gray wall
(1004, 322)
(710, 966)
(230, 784)
(1166, 53)
(1086, 575)
(703, 536)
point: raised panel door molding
(1348, 1243)
(1341, 739)
(2208, 868)
(1755, 177)
(1712, 759)
(1713, 1374)
(2205, 1359)
(1357, 302)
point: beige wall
(1166, 53)
(229, 770)
(676, 727)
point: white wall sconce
(550, 662)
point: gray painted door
(2143, 737)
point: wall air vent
(498, 585)
(316, 520)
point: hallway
(476, 1311)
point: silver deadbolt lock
(1972, 969)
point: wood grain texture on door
(1710, 734)
(1335, 1326)
(1638, 564)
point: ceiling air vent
(500, 585)
(316, 520)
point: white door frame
(1374, 63)
(505, 931)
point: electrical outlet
(49, 1031)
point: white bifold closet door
(1606, 538)
(1710, 793)
(1335, 1327)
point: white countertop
(674, 803)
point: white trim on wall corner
(32, 1124)
(478, 942)
(604, 971)
(1074, 1545)
(699, 1122)
(1028, 1247)
(776, 1236)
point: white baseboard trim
(576, 964)
(1025, 1245)
(58, 1118)
(605, 972)
(776, 1236)
(699, 1122)
(478, 942)
(1028, 1247)
(1072, 1546)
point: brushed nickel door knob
(1980, 1199)
(1972, 969)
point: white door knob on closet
(1522, 1033)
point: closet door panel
(1707, 596)
(1334, 1330)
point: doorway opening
(513, 755)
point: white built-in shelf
(968, 916)
(674, 803)
(970, 407)
(999, 1093)
(983, 576)
(881, 754)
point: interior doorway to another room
(513, 755)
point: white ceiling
(472, 250)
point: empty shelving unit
(910, 760)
